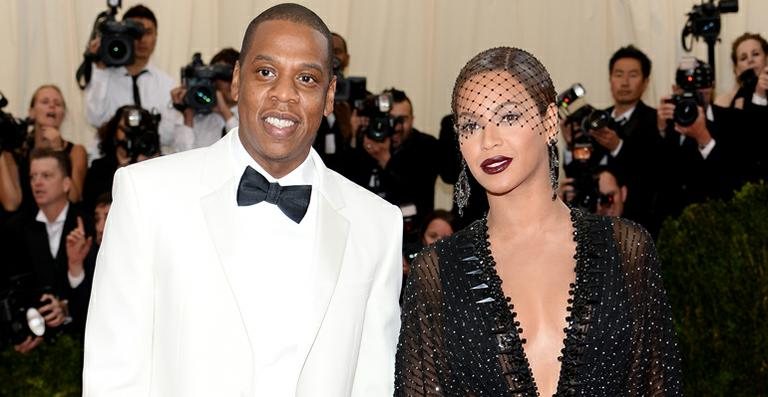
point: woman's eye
(510, 118)
(468, 127)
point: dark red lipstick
(495, 164)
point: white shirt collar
(626, 115)
(304, 174)
(59, 219)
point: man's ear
(234, 88)
(623, 193)
(329, 97)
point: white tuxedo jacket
(163, 320)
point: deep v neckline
(516, 328)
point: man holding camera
(402, 167)
(696, 163)
(36, 244)
(203, 126)
(629, 145)
(139, 83)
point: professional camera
(692, 76)
(116, 47)
(19, 315)
(199, 79)
(13, 131)
(141, 137)
(348, 89)
(704, 22)
(380, 125)
(573, 107)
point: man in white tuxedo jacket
(247, 267)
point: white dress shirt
(275, 287)
(54, 230)
(111, 88)
(206, 129)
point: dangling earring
(554, 166)
(461, 189)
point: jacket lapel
(330, 245)
(219, 204)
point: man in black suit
(634, 141)
(36, 243)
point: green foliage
(715, 263)
(52, 369)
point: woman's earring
(461, 189)
(554, 166)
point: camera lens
(203, 96)
(117, 49)
(686, 112)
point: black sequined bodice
(460, 336)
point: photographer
(402, 167)
(34, 241)
(629, 141)
(139, 83)
(200, 128)
(337, 134)
(744, 109)
(748, 54)
(130, 136)
(697, 165)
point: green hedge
(52, 369)
(715, 264)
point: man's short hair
(103, 199)
(140, 11)
(617, 174)
(62, 159)
(293, 13)
(228, 55)
(344, 41)
(399, 96)
(633, 52)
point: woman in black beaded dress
(535, 298)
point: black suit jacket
(27, 249)
(640, 161)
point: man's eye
(307, 79)
(265, 73)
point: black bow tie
(292, 200)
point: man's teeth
(280, 123)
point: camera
(348, 89)
(574, 109)
(13, 131)
(199, 80)
(704, 20)
(116, 48)
(380, 125)
(141, 137)
(692, 76)
(19, 314)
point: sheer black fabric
(459, 334)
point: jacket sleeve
(374, 375)
(118, 340)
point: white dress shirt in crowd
(206, 129)
(275, 286)
(54, 231)
(111, 88)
